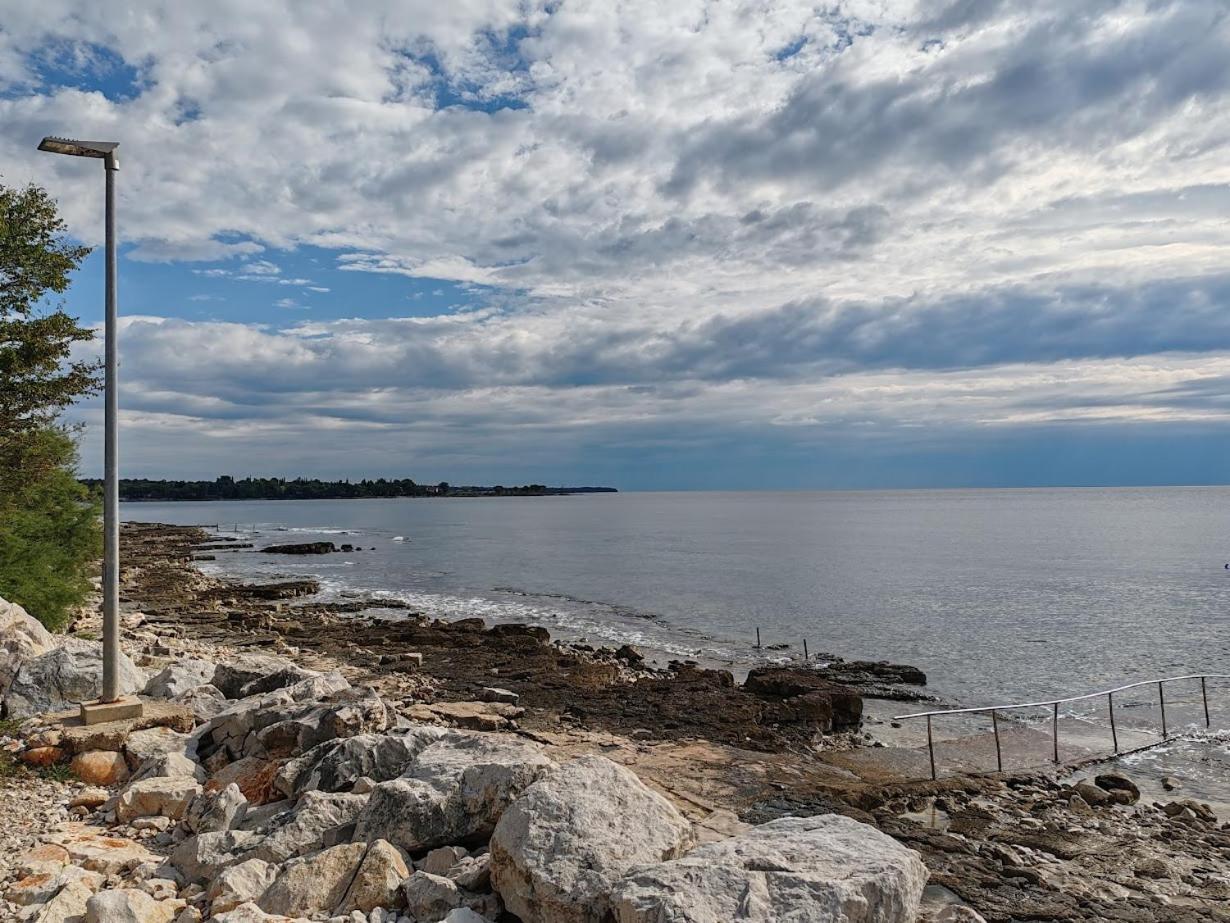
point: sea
(1001, 596)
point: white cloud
(759, 200)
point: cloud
(656, 208)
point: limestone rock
(246, 881)
(22, 637)
(68, 905)
(179, 677)
(431, 897)
(150, 742)
(128, 905)
(100, 767)
(823, 869)
(157, 797)
(232, 676)
(213, 812)
(90, 797)
(293, 720)
(254, 777)
(377, 883)
(205, 701)
(440, 860)
(64, 676)
(315, 883)
(302, 829)
(202, 857)
(40, 886)
(41, 757)
(464, 915)
(561, 846)
(97, 852)
(455, 791)
(250, 913)
(337, 765)
(169, 765)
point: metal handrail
(1054, 704)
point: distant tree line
(230, 488)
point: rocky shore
(354, 762)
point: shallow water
(1000, 595)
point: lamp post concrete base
(119, 710)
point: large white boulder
(564, 843)
(64, 676)
(824, 869)
(455, 791)
(22, 637)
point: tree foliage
(49, 531)
(49, 534)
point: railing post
(999, 758)
(1204, 694)
(1161, 698)
(1114, 735)
(930, 748)
(1055, 730)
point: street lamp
(109, 707)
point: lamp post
(110, 706)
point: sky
(710, 245)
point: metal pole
(1055, 731)
(930, 748)
(111, 523)
(1204, 694)
(1161, 698)
(806, 656)
(999, 758)
(1114, 735)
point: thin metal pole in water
(1114, 735)
(757, 638)
(1055, 730)
(111, 519)
(1204, 694)
(999, 758)
(930, 748)
(1161, 698)
(806, 656)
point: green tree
(49, 531)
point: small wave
(625, 611)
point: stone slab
(101, 712)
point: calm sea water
(997, 594)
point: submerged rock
(822, 869)
(301, 548)
(564, 843)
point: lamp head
(103, 150)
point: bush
(49, 535)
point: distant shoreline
(143, 490)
